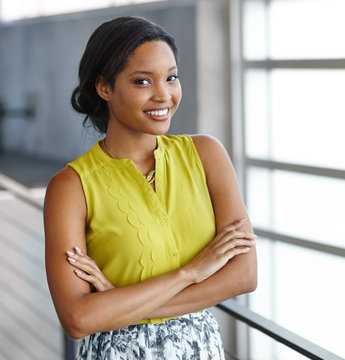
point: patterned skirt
(193, 336)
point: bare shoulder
(66, 177)
(205, 143)
(66, 180)
(211, 151)
(221, 181)
(65, 189)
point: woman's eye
(172, 78)
(142, 82)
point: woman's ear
(103, 88)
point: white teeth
(157, 112)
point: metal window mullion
(307, 244)
(269, 64)
(303, 169)
(238, 135)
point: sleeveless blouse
(134, 232)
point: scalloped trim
(143, 233)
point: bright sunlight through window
(20, 9)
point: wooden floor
(29, 328)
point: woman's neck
(138, 149)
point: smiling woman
(145, 94)
(145, 230)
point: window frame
(243, 162)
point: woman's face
(147, 92)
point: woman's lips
(158, 114)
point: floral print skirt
(193, 336)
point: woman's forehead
(150, 55)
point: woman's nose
(161, 93)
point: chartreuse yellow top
(134, 232)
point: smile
(157, 112)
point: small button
(164, 219)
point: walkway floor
(29, 328)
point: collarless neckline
(157, 152)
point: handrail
(19, 190)
(239, 312)
(277, 332)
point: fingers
(235, 225)
(233, 235)
(233, 242)
(87, 269)
(236, 235)
(85, 276)
(237, 251)
(82, 261)
(236, 244)
(231, 228)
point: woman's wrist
(187, 275)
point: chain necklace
(150, 177)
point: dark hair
(105, 55)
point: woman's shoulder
(209, 148)
(203, 141)
(199, 140)
(66, 180)
(66, 176)
(64, 191)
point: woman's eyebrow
(143, 72)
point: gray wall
(39, 61)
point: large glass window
(19, 9)
(294, 175)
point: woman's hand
(87, 269)
(226, 245)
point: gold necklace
(150, 177)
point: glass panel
(307, 29)
(306, 114)
(293, 29)
(306, 206)
(256, 113)
(19, 9)
(307, 294)
(264, 347)
(259, 183)
(254, 29)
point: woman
(160, 217)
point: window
(294, 174)
(19, 9)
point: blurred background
(266, 77)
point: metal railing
(277, 332)
(231, 307)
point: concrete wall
(39, 61)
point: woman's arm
(82, 312)
(239, 275)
